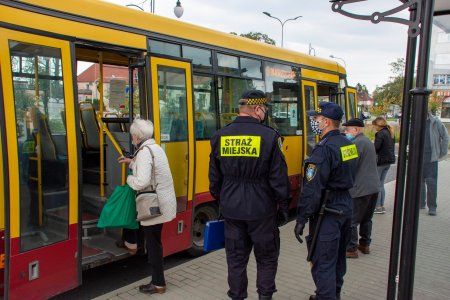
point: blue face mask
(349, 137)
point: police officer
(248, 175)
(330, 170)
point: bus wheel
(202, 215)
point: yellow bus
(74, 74)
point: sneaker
(379, 210)
(432, 211)
(352, 254)
(383, 209)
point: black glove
(282, 217)
(298, 231)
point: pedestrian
(329, 174)
(435, 147)
(248, 176)
(364, 192)
(140, 180)
(384, 147)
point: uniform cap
(354, 122)
(327, 109)
(253, 97)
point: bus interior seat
(89, 126)
(113, 127)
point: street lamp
(282, 24)
(334, 57)
(178, 10)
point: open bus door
(41, 208)
(352, 105)
(174, 130)
(310, 103)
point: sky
(367, 49)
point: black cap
(354, 122)
(253, 97)
(327, 109)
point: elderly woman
(140, 180)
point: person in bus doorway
(329, 174)
(365, 190)
(436, 147)
(141, 165)
(248, 176)
(384, 147)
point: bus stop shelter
(424, 15)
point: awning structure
(442, 7)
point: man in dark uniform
(248, 175)
(329, 172)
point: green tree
(391, 92)
(257, 36)
(435, 102)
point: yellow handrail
(116, 146)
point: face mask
(265, 116)
(349, 137)
(315, 127)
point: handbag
(120, 209)
(147, 203)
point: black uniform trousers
(152, 235)
(329, 260)
(240, 237)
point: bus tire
(202, 214)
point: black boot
(261, 297)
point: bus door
(352, 105)
(174, 130)
(310, 103)
(41, 173)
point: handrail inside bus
(115, 144)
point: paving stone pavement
(206, 277)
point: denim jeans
(430, 173)
(382, 172)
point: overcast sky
(366, 48)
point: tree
(435, 102)
(257, 36)
(392, 92)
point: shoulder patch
(310, 172)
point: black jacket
(248, 171)
(384, 146)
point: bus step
(90, 225)
(91, 175)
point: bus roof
(131, 19)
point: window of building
(201, 58)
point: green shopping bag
(120, 209)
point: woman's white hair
(142, 129)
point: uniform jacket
(331, 166)
(247, 170)
(140, 180)
(438, 138)
(384, 146)
(366, 179)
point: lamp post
(334, 57)
(282, 24)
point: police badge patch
(311, 171)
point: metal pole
(415, 165)
(401, 165)
(282, 33)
